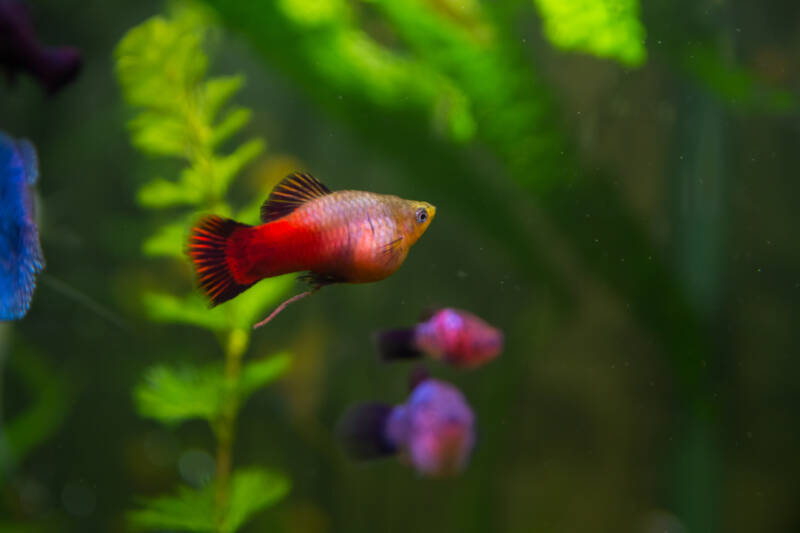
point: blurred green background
(615, 186)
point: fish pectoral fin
(292, 192)
(392, 249)
(319, 279)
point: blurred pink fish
(434, 430)
(456, 337)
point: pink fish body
(453, 336)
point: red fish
(454, 336)
(337, 237)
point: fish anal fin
(292, 192)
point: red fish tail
(211, 244)
(397, 344)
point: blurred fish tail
(57, 67)
(210, 250)
(362, 431)
(397, 344)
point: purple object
(21, 50)
(454, 336)
(434, 430)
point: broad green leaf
(192, 310)
(247, 308)
(605, 28)
(168, 241)
(216, 92)
(226, 168)
(232, 123)
(159, 133)
(158, 60)
(172, 395)
(315, 12)
(163, 193)
(259, 373)
(252, 490)
(187, 510)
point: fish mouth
(431, 211)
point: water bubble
(196, 467)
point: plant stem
(226, 424)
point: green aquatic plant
(604, 28)
(181, 113)
(49, 403)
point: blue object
(20, 252)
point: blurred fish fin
(397, 344)
(57, 67)
(18, 277)
(391, 250)
(21, 257)
(292, 192)
(362, 431)
(318, 279)
(29, 160)
(208, 251)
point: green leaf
(172, 395)
(191, 309)
(232, 123)
(48, 404)
(187, 510)
(251, 490)
(247, 308)
(226, 168)
(259, 373)
(605, 28)
(159, 60)
(168, 241)
(216, 92)
(163, 193)
(159, 133)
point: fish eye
(422, 215)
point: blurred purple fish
(20, 252)
(433, 431)
(456, 337)
(20, 50)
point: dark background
(629, 398)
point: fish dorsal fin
(292, 192)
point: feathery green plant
(161, 66)
(605, 28)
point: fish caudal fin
(209, 251)
(397, 344)
(362, 431)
